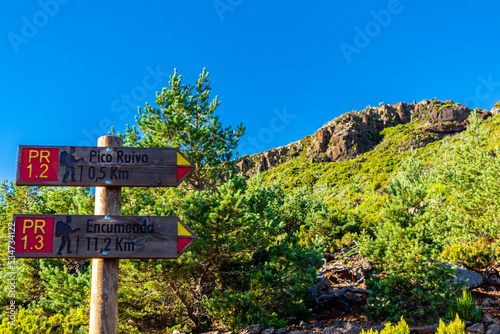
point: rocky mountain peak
(356, 132)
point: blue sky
(70, 69)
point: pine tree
(411, 280)
(185, 119)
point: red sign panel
(34, 235)
(39, 164)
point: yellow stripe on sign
(181, 230)
(182, 161)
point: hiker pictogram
(63, 230)
(68, 160)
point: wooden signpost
(107, 236)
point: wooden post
(104, 289)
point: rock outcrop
(472, 279)
(451, 127)
(359, 131)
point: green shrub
(400, 328)
(182, 328)
(465, 307)
(416, 296)
(454, 327)
(275, 321)
(348, 240)
(29, 321)
(253, 297)
(477, 255)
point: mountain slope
(370, 143)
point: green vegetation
(410, 281)
(456, 326)
(248, 261)
(465, 307)
(400, 328)
(185, 119)
(34, 321)
(240, 268)
(409, 205)
(445, 104)
(413, 209)
(49, 293)
(373, 167)
(477, 254)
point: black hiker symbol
(68, 160)
(63, 230)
